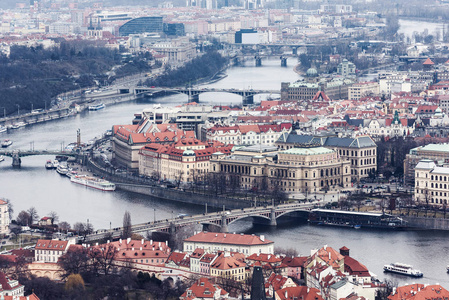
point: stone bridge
(16, 154)
(193, 93)
(265, 214)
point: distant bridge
(16, 154)
(193, 93)
(266, 214)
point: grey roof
(328, 141)
(258, 148)
(338, 284)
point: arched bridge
(193, 93)
(16, 154)
(267, 214)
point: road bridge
(16, 154)
(264, 214)
(193, 93)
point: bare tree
(64, 226)
(23, 218)
(75, 261)
(127, 231)
(103, 257)
(54, 216)
(33, 215)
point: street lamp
(31, 106)
(18, 109)
(4, 112)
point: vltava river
(33, 185)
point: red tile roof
(299, 292)
(202, 289)
(51, 245)
(226, 263)
(227, 238)
(428, 62)
(420, 292)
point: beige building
(296, 170)
(213, 242)
(4, 217)
(129, 139)
(431, 183)
(360, 151)
(184, 161)
(362, 89)
(435, 152)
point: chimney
(140, 248)
(151, 242)
(142, 241)
(96, 244)
(262, 238)
(108, 241)
(120, 241)
(128, 240)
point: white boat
(18, 125)
(62, 169)
(403, 269)
(6, 143)
(48, 165)
(55, 164)
(1, 158)
(93, 182)
(96, 106)
(3, 128)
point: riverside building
(294, 171)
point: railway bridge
(264, 214)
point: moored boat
(93, 182)
(6, 143)
(1, 158)
(48, 165)
(3, 128)
(400, 268)
(62, 169)
(18, 125)
(96, 106)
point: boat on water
(357, 226)
(1, 158)
(3, 128)
(6, 143)
(62, 169)
(93, 182)
(49, 165)
(18, 125)
(96, 106)
(55, 164)
(400, 268)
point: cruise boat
(6, 143)
(403, 269)
(62, 169)
(93, 182)
(96, 106)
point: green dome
(312, 72)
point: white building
(49, 251)
(212, 242)
(431, 183)
(4, 217)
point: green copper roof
(432, 147)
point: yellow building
(295, 170)
(362, 89)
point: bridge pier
(16, 161)
(295, 51)
(194, 98)
(172, 228)
(248, 100)
(224, 224)
(283, 61)
(273, 217)
(258, 61)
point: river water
(33, 185)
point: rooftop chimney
(262, 238)
(128, 240)
(142, 241)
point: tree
(290, 252)
(74, 282)
(386, 290)
(75, 261)
(64, 226)
(54, 216)
(127, 230)
(33, 215)
(23, 218)
(103, 258)
(79, 228)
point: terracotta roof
(428, 62)
(202, 289)
(51, 245)
(294, 261)
(354, 267)
(419, 292)
(266, 258)
(298, 292)
(227, 238)
(226, 263)
(3, 202)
